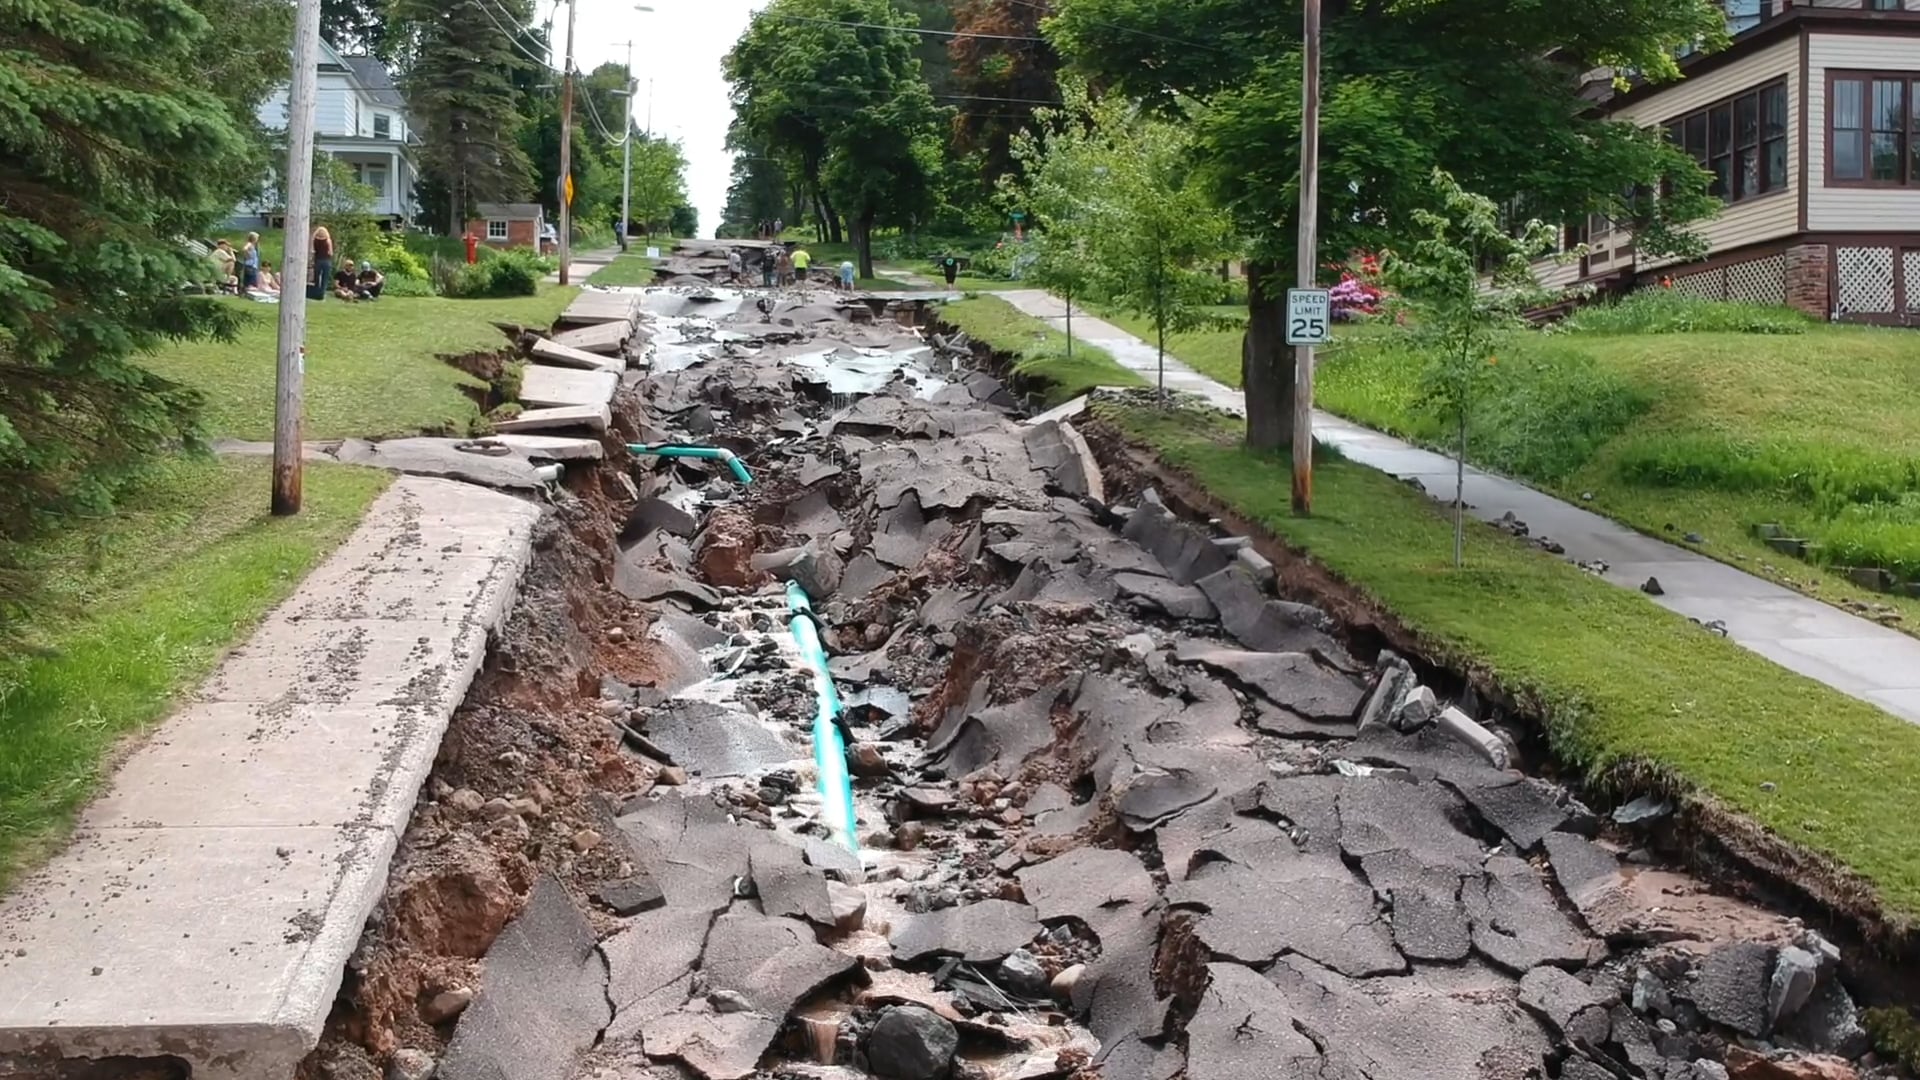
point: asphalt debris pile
(1121, 810)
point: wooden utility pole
(291, 366)
(626, 157)
(566, 153)
(1309, 260)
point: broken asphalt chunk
(1293, 681)
(774, 963)
(1516, 923)
(650, 966)
(1262, 623)
(1572, 1010)
(715, 740)
(1244, 1029)
(1087, 884)
(788, 887)
(718, 1046)
(978, 933)
(1187, 554)
(630, 895)
(1312, 905)
(544, 999)
(1526, 810)
(1164, 596)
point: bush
(1663, 311)
(512, 272)
(389, 253)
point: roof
(378, 81)
(516, 211)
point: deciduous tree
(1486, 89)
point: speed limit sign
(1309, 317)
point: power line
(902, 29)
(487, 8)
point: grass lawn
(1042, 350)
(372, 369)
(1708, 431)
(142, 603)
(1622, 682)
(629, 269)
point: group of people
(245, 273)
(771, 230)
(781, 267)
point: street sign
(569, 189)
(653, 253)
(1309, 317)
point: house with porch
(360, 119)
(1810, 125)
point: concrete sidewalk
(211, 896)
(1853, 655)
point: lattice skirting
(1864, 282)
(1757, 281)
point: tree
(1460, 311)
(761, 189)
(106, 122)
(459, 63)
(845, 104)
(1486, 89)
(684, 221)
(1121, 213)
(1001, 79)
(659, 182)
(355, 26)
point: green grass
(1674, 430)
(628, 269)
(372, 369)
(142, 603)
(1041, 350)
(1623, 684)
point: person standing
(802, 262)
(950, 267)
(250, 262)
(846, 275)
(733, 265)
(769, 268)
(322, 281)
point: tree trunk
(456, 205)
(1266, 364)
(863, 240)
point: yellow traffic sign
(569, 189)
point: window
(1742, 141)
(1883, 5)
(375, 177)
(496, 230)
(382, 126)
(1873, 132)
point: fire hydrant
(473, 248)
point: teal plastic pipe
(710, 453)
(829, 748)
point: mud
(1100, 832)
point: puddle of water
(857, 372)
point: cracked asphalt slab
(1118, 819)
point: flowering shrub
(1358, 293)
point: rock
(1063, 983)
(866, 760)
(1795, 971)
(466, 800)
(908, 835)
(1646, 808)
(1416, 710)
(1257, 565)
(446, 1005)
(630, 895)
(815, 567)
(1744, 1064)
(1651, 587)
(585, 840)
(1709, 1070)
(496, 808)
(849, 904)
(911, 1043)
(1829, 1022)
(1732, 986)
(1650, 997)
(410, 1064)
(1021, 973)
(728, 1001)
(671, 776)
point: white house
(360, 119)
(1810, 123)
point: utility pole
(626, 159)
(1309, 260)
(290, 365)
(566, 153)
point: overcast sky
(678, 46)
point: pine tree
(113, 149)
(459, 65)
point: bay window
(1742, 141)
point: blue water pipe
(829, 747)
(710, 453)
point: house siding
(1769, 217)
(1843, 209)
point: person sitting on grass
(371, 281)
(346, 282)
(266, 283)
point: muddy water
(1118, 814)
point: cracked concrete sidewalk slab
(282, 817)
(442, 458)
(979, 933)
(544, 999)
(1312, 905)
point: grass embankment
(373, 369)
(140, 606)
(629, 269)
(1621, 682)
(1040, 350)
(1685, 417)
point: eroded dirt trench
(1122, 812)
